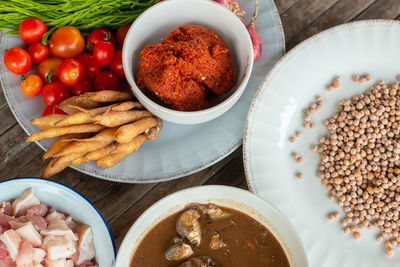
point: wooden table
(122, 204)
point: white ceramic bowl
(156, 22)
(224, 196)
(66, 200)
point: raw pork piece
(35, 235)
(26, 200)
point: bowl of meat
(44, 223)
(211, 226)
(188, 61)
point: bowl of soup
(211, 226)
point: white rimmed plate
(224, 196)
(180, 150)
(66, 200)
(276, 113)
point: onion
(234, 6)
(255, 39)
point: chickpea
(334, 215)
(356, 235)
(336, 82)
(359, 162)
(389, 251)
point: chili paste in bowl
(187, 68)
(187, 61)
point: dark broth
(248, 243)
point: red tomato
(103, 53)
(116, 64)
(32, 30)
(121, 34)
(38, 52)
(54, 93)
(70, 72)
(107, 80)
(48, 69)
(17, 60)
(101, 34)
(52, 109)
(31, 85)
(66, 42)
(82, 87)
(90, 66)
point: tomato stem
(108, 37)
(50, 76)
(90, 45)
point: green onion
(86, 15)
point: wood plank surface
(122, 204)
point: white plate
(180, 150)
(276, 113)
(66, 200)
(225, 196)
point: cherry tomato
(38, 52)
(31, 85)
(103, 53)
(116, 64)
(101, 34)
(121, 34)
(90, 66)
(66, 42)
(52, 109)
(54, 93)
(17, 60)
(70, 72)
(107, 80)
(48, 69)
(32, 30)
(82, 87)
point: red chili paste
(187, 68)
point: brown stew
(209, 236)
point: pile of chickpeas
(360, 162)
